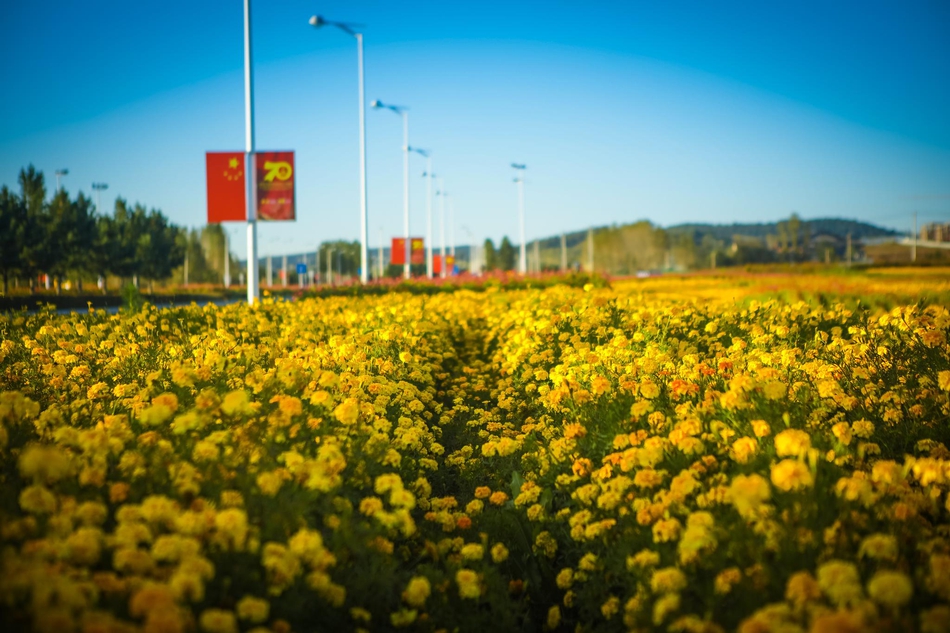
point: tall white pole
(283, 282)
(380, 253)
(405, 191)
(523, 264)
(250, 175)
(442, 195)
(429, 218)
(563, 252)
(452, 226)
(364, 254)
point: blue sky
(672, 112)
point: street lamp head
(317, 21)
(376, 104)
(62, 172)
(422, 152)
(100, 186)
(517, 166)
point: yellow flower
(761, 428)
(802, 588)
(610, 608)
(842, 431)
(790, 475)
(667, 580)
(36, 499)
(879, 547)
(472, 551)
(253, 609)
(468, 582)
(232, 528)
(163, 408)
(726, 580)
(347, 412)
(792, 443)
(565, 578)
(403, 617)
(151, 597)
(554, 617)
(270, 483)
(218, 621)
(743, 449)
(893, 589)
(840, 581)
(748, 493)
(417, 591)
(44, 464)
(499, 553)
(237, 403)
(666, 530)
(943, 379)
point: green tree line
(65, 237)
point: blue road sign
(301, 269)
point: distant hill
(820, 226)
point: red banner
(418, 254)
(226, 191)
(437, 264)
(275, 185)
(397, 254)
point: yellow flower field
(708, 454)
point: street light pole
(429, 176)
(59, 174)
(439, 192)
(523, 263)
(403, 111)
(452, 227)
(317, 21)
(250, 171)
(99, 187)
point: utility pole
(563, 252)
(537, 256)
(284, 266)
(270, 271)
(329, 266)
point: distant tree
(130, 226)
(13, 228)
(106, 248)
(506, 255)
(36, 249)
(159, 248)
(491, 256)
(794, 226)
(71, 235)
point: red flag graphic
(226, 189)
(397, 256)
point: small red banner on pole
(275, 186)
(418, 251)
(226, 191)
(397, 256)
(437, 264)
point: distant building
(935, 232)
